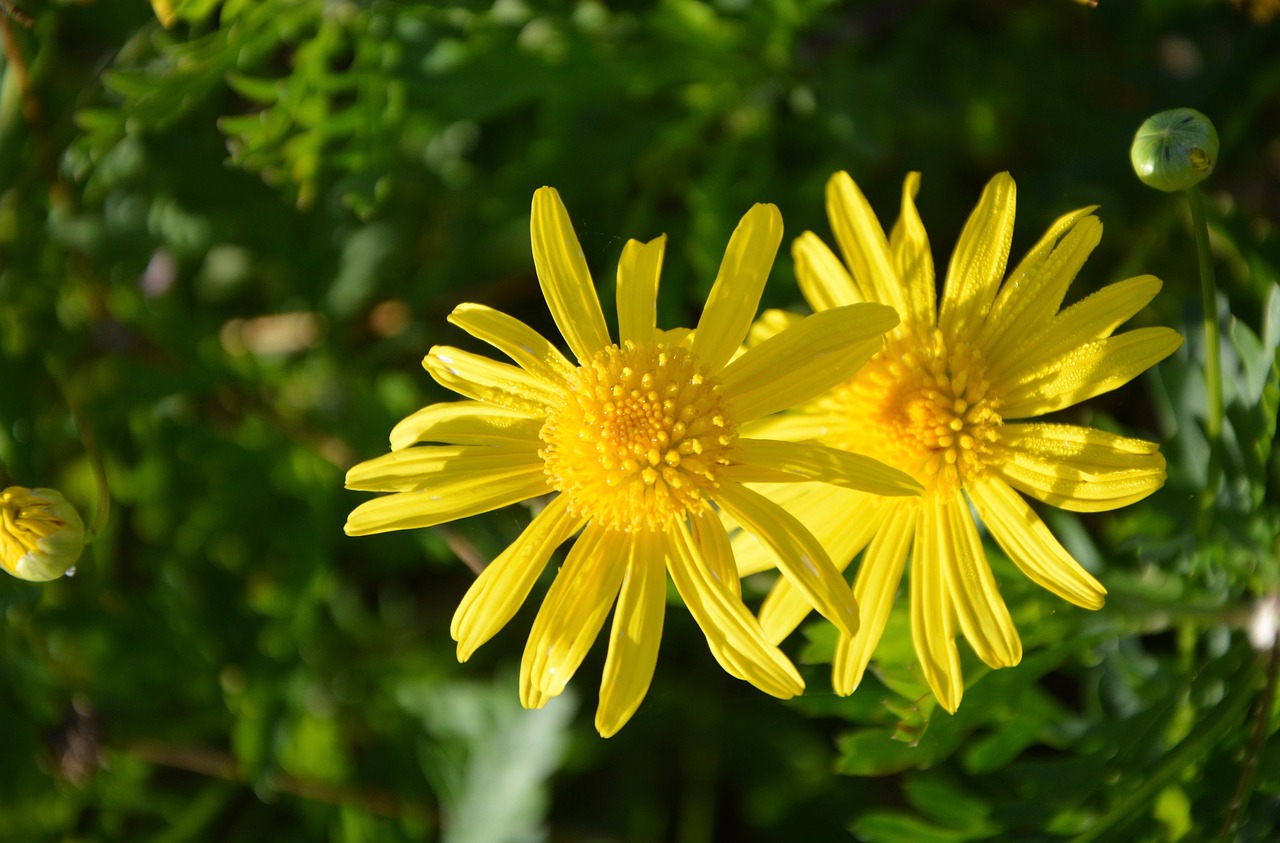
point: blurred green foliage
(227, 245)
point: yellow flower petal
(771, 323)
(1078, 468)
(796, 427)
(805, 360)
(750, 554)
(1088, 370)
(909, 245)
(713, 547)
(875, 589)
(488, 380)
(863, 244)
(529, 349)
(977, 265)
(455, 495)
(564, 277)
(1034, 290)
(636, 633)
(572, 613)
(800, 558)
(1091, 319)
(638, 272)
(1031, 546)
(841, 520)
(503, 585)
(735, 296)
(810, 461)
(733, 634)
(844, 537)
(933, 625)
(465, 423)
(984, 619)
(823, 280)
(419, 468)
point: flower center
(639, 438)
(922, 407)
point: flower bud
(1175, 149)
(41, 535)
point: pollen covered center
(924, 407)
(640, 437)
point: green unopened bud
(41, 535)
(1175, 149)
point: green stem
(90, 442)
(1261, 728)
(1213, 365)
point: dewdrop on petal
(41, 534)
(1175, 149)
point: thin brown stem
(215, 763)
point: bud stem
(1213, 363)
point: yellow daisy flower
(638, 439)
(41, 534)
(939, 402)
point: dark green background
(227, 665)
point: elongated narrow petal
(829, 465)
(564, 277)
(843, 521)
(909, 246)
(750, 554)
(639, 270)
(488, 380)
(503, 585)
(823, 280)
(1091, 319)
(875, 588)
(1031, 546)
(1078, 468)
(465, 423)
(421, 467)
(800, 558)
(805, 360)
(529, 349)
(984, 619)
(1035, 289)
(713, 547)
(573, 612)
(733, 634)
(863, 244)
(735, 296)
(1088, 370)
(636, 633)
(797, 427)
(452, 496)
(933, 626)
(977, 265)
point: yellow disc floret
(924, 407)
(640, 437)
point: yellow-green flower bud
(1175, 149)
(41, 535)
